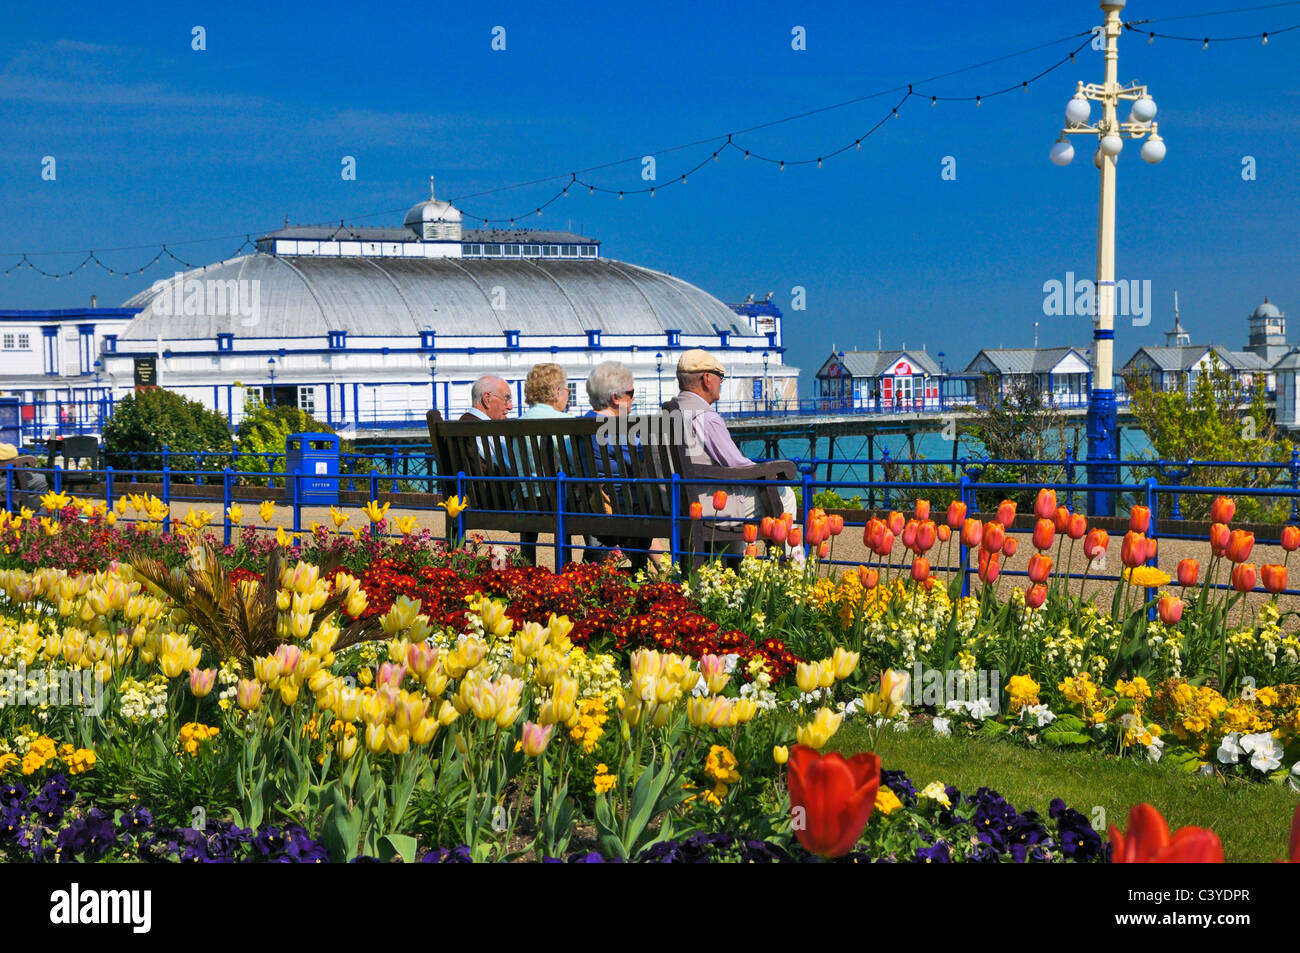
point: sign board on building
(146, 372)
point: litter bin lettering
(314, 458)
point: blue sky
(155, 142)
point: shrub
(265, 429)
(148, 420)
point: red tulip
(1295, 836)
(1040, 567)
(1170, 609)
(1061, 519)
(1045, 504)
(1291, 538)
(751, 551)
(1244, 577)
(831, 798)
(824, 549)
(835, 524)
(751, 532)
(988, 566)
(1009, 546)
(909, 534)
(994, 534)
(1139, 519)
(972, 531)
(1133, 551)
(795, 539)
(1189, 570)
(1044, 534)
(780, 531)
(1240, 544)
(1219, 536)
(719, 500)
(1035, 597)
(943, 532)
(1007, 513)
(956, 514)
(1273, 576)
(920, 568)
(1077, 527)
(870, 577)
(1094, 545)
(886, 544)
(697, 510)
(926, 534)
(765, 527)
(1147, 841)
(895, 522)
(1222, 510)
(922, 511)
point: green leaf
(397, 845)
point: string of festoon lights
(713, 150)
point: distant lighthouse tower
(1176, 336)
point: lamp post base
(1103, 451)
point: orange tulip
(1061, 519)
(831, 798)
(697, 510)
(872, 532)
(956, 514)
(1295, 836)
(988, 566)
(1007, 513)
(1095, 543)
(1189, 570)
(815, 532)
(1147, 841)
(1045, 504)
(909, 534)
(1244, 577)
(835, 524)
(1036, 596)
(1040, 567)
(895, 522)
(920, 568)
(1240, 544)
(1044, 534)
(765, 527)
(1077, 527)
(1133, 551)
(886, 544)
(816, 513)
(751, 551)
(926, 534)
(751, 532)
(922, 511)
(1219, 536)
(719, 500)
(1291, 538)
(1139, 519)
(1273, 576)
(1009, 546)
(1222, 510)
(994, 535)
(795, 539)
(870, 577)
(943, 532)
(1170, 609)
(824, 549)
(972, 531)
(780, 531)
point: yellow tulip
(266, 511)
(818, 732)
(455, 505)
(235, 513)
(375, 511)
(339, 517)
(406, 525)
(780, 754)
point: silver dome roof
(307, 297)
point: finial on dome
(431, 195)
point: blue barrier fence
(179, 485)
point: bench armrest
(771, 470)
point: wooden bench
(511, 472)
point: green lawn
(1251, 819)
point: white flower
(1293, 779)
(1229, 750)
(1265, 751)
(942, 726)
(1041, 714)
(935, 791)
(1154, 749)
(980, 709)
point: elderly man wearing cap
(700, 377)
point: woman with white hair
(611, 389)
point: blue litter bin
(314, 457)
